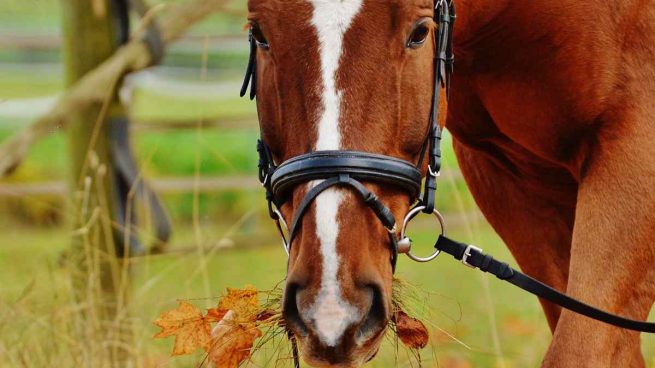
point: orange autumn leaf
(232, 342)
(411, 331)
(187, 324)
(238, 314)
(215, 315)
(243, 302)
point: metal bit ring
(410, 216)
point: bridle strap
(362, 166)
(443, 67)
(381, 211)
(337, 168)
(251, 70)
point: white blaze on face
(331, 314)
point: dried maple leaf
(186, 323)
(411, 331)
(232, 341)
(215, 315)
(243, 302)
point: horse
(550, 108)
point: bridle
(352, 168)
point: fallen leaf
(411, 331)
(243, 302)
(215, 315)
(187, 324)
(232, 341)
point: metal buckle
(393, 230)
(467, 255)
(267, 174)
(433, 173)
(407, 243)
(280, 223)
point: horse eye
(418, 36)
(258, 35)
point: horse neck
(475, 16)
(482, 21)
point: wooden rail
(169, 185)
(53, 42)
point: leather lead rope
(476, 258)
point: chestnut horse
(552, 111)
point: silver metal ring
(410, 216)
(283, 232)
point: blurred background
(65, 302)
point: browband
(362, 166)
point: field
(224, 241)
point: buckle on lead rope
(405, 243)
(467, 255)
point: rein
(329, 169)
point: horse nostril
(376, 319)
(290, 310)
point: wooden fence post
(101, 279)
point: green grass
(454, 297)
(29, 266)
(34, 16)
(150, 106)
(25, 83)
(171, 153)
